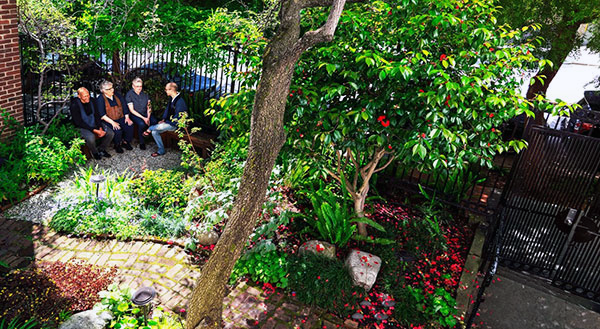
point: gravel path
(41, 207)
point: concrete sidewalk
(519, 301)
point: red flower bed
(422, 289)
(47, 291)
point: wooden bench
(201, 142)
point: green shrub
(48, 159)
(152, 222)
(418, 308)
(127, 315)
(30, 156)
(334, 221)
(269, 266)
(166, 190)
(323, 282)
(96, 217)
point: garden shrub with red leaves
(46, 292)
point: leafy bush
(96, 217)
(127, 315)
(334, 222)
(323, 282)
(269, 266)
(45, 293)
(439, 307)
(114, 189)
(154, 223)
(166, 190)
(28, 155)
(48, 159)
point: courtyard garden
(293, 217)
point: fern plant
(335, 222)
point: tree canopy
(559, 23)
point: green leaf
(382, 75)
(330, 68)
(122, 307)
(422, 151)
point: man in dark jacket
(87, 119)
(114, 111)
(172, 113)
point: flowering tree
(426, 83)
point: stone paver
(164, 267)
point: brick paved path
(165, 267)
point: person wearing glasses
(140, 109)
(111, 108)
(175, 108)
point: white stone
(87, 320)
(318, 247)
(363, 268)
(208, 238)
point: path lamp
(142, 298)
(97, 179)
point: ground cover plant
(30, 159)
(125, 314)
(126, 206)
(50, 292)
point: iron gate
(551, 211)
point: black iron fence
(199, 81)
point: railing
(199, 82)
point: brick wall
(10, 64)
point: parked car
(187, 79)
(586, 118)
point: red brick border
(10, 62)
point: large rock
(363, 268)
(318, 247)
(207, 237)
(87, 320)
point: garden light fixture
(97, 179)
(142, 297)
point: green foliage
(127, 315)
(154, 223)
(47, 158)
(558, 36)
(323, 282)
(334, 221)
(166, 190)
(97, 217)
(263, 265)
(64, 130)
(440, 306)
(32, 158)
(16, 324)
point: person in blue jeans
(172, 113)
(113, 110)
(140, 109)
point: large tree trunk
(266, 139)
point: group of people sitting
(110, 117)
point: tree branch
(385, 165)
(323, 33)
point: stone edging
(469, 281)
(27, 196)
